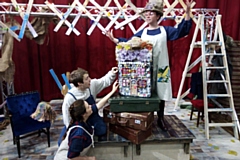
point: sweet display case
(134, 62)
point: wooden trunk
(141, 121)
(133, 135)
(134, 104)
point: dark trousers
(160, 113)
(197, 85)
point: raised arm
(104, 100)
(188, 9)
(109, 34)
(97, 85)
(183, 28)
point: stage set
(133, 132)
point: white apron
(63, 148)
(161, 69)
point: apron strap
(72, 95)
(91, 135)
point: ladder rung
(214, 67)
(217, 81)
(217, 95)
(221, 124)
(220, 110)
(214, 54)
(199, 43)
(213, 43)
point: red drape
(95, 53)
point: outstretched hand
(115, 86)
(109, 34)
(188, 9)
(104, 100)
(188, 3)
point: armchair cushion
(27, 124)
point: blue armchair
(20, 107)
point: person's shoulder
(70, 95)
(76, 130)
(66, 97)
(94, 81)
(76, 92)
(73, 89)
(139, 33)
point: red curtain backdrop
(95, 53)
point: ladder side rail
(231, 102)
(215, 32)
(187, 63)
(223, 50)
(211, 29)
(204, 76)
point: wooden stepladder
(208, 50)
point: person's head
(80, 78)
(153, 11)
(80, 110)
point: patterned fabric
(153, 5)
(44, 113)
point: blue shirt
(172, 33)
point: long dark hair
(76, 110)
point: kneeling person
(79, 136)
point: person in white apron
(79, 135)
(158, 36)
(83, 87)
